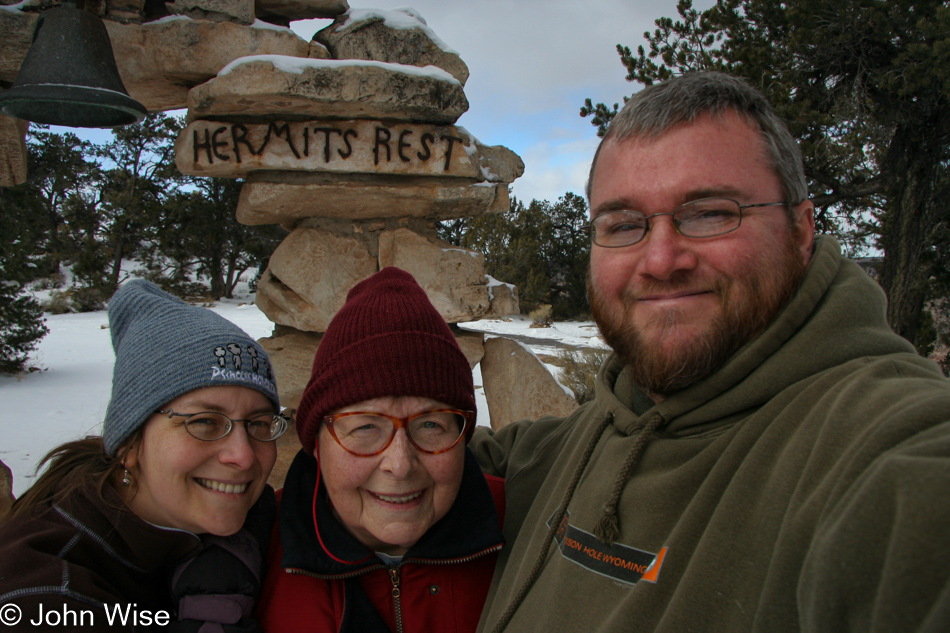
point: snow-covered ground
(67, 398)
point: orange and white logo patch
(614, 560)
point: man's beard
(749, 305)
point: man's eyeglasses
(209, 426)
(366, 433)
(706, 217)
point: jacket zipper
(394, 578)
(394, 574)
(455, 561)
(303, 572)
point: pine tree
(541, 248)
(22, 226)
(199, 229)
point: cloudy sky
(532, 64)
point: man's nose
(665, 251)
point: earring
(126, 477)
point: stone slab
(301, 9)
(300, 196)
(518, 386)
(160, 61)
(453, 278)
(222, 149)
(288, 445)
(318, 51)
(12, 151)
(308, 277)
(291, 354)
(503, 297)
(400, 36)
(277, 87)
(17, 28)
(239, 11)
(126, 11)
(472, 344)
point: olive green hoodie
(805, 486)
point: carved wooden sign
(217, 148)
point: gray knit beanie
(165, 348)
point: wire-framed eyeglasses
(367, 433)
(706, 217)
(208, 426)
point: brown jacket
(87, 565)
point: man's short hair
(660, 107)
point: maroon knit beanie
(387, 340)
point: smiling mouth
(677, 295)
(400, 498)
(220, 486)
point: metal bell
(69, 76)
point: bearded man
(763, 453)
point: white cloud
(554, 168)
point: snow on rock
(404, 19)
(299, 65)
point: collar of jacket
(469, 529)
(837, 302)
(132, 541)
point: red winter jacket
(439, 587)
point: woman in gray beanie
(134, 528)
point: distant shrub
(21, 327)
(89, 298)
(75, 299)
(58, 303)
(541, 317)
(579, 369)
(178, 283)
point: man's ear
(804, 222)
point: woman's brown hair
(72, 466)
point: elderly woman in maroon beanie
(386, 522)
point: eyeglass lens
(367, 434)
(213, 426)
(699, 218)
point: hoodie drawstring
(555, 526)
(608, 529)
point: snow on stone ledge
(494, 283)
(557, 378)
(261, 24)
(167, 18)
(403, 19)
(460, 250)
(298, 65)
(15, 8)
(471, 149)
